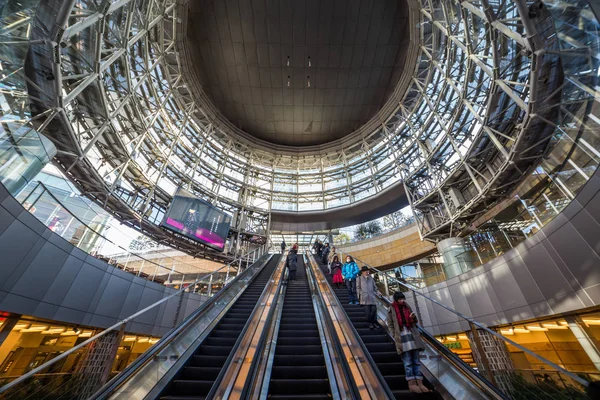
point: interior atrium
(160, 158)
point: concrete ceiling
(241, 49)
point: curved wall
(392, 249)
(43, 275)
(555, 271)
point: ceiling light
(589, 322)
(308, 80)
(507, 332)
(554, 326)
(536, 328)
(53, 330)
(20, 326)
(463, 337)
(36, 328)
(86, 334)
(521, 330)
(288, 63)
(309, 63)
(129, 339)
(288, 83)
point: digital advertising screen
(197, 220)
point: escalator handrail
(362, 345)
(263, 338)
(240, 339)
(147, 356)
(480, 325)
(473, 376)
(336, 340)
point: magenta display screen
(197, 220)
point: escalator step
(300, 372)
(208, 361)
(299, 397)
(298, 350)
(291, 360)
(198, 373)
(392, 368)
(396, 382)
(300, 386)
(213, 350)
(299, 341)
(191, 387)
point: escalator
(196, 378)
(299, 370)
(380, 346)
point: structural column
(457, 256)
(97, 362)
(492, 357)
(581, 331)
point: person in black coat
(291, 262)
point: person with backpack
(402, 323)
(291, 262)
(367, 296)
(325, 255)
(350, 271)
(336, 271)
(282, 246)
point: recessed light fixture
(309, 62)
(288, 84)
(288, 61)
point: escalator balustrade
(299, 370)
(197, 376)
(380, 346)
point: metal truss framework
(129, 131)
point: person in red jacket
(402, 323)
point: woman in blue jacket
(350, 271)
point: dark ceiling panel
(241, 50)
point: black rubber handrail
(370, 360)
(336, 340)
(262, 340)
(147, 356)
(240, 338)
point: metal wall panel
(555, 271)
(45, 276)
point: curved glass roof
(135, 121)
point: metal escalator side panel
(342, 385)
(366, 378)
(259, 387)
(142, 376)
(233, 379)
(299, 367)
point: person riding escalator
(291, 262)
(402, 323)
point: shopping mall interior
(176, 177)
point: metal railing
(511, 381)
(83, 225)
(24, 387)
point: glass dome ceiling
(136, 132)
